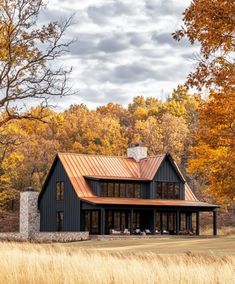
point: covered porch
(121, 219)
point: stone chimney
(137, 152)
(29, 214)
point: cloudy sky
(123, 49)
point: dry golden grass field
(162, 260)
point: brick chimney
(137, 152)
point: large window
(130, 190)
(91, 221)
(167, 190)
(60, 221)
(59, 190)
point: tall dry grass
(35, 263)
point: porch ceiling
(146, 202)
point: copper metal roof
(147, 202)
(79, 166)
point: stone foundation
(47, 237)
(61, 236)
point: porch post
(197, 223)
(177, 222)
(154, 221)
(132, 219)
(102, 223)
(214, 222)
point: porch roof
(147, 202)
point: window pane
(116, 190)
(61, 190)
(109, 220)
(103, 189)
(137, 190)
(116, 220)
(136, 220)
(122, 190)
(95, 222)
(158, 221)
(130, 190)
(57, 191)
(182, 222)
(177, 191)
(170, 190)
(171, 221)
(110, 189)
(87, 221)
(164, 221)
(164, 190)
(158, 190)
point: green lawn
(218, 245)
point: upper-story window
(118, 189)
(167, 190)
(59, 190)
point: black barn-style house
(116, 195)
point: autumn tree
(90, 132)
(167, 134)
(26, 153)
(27, 51)
(212, 24)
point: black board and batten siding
(49, 206)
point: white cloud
(123, 49)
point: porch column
(214, 222)
(132, 219)
(197, 224)
(154, 221)
(177, 222)
(102, 221)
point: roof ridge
(108, 156)
(94, 155)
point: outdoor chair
(157, 232)
(148, 232)
(165, 232)
(137, 231)
(115, 232)
(126, 232)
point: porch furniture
(126, 232)
(137, 231)
(148, 232)
(165, 232)
(157, 232)
(115, 232)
